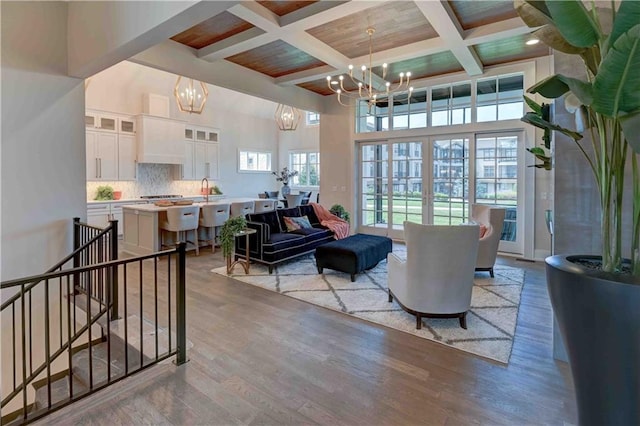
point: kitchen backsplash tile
(153, 179)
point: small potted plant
(104, 193)
(283, 176)
(227, 234)
(340, 211)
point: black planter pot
(599, 319)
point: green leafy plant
(540, 114)
(609, 98)
(340, 211)
(215, 190)
(227, 233)
(104, 193)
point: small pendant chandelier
(287, 117)
(190, 96)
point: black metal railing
(93, 245)
(149, 289)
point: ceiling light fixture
(190, 95)
(368, 88)
(532, 41)
(287, 117)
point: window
(410, 113)
(307, 164)
(451, 105)
(313, 118)
(500, 98)
(254, 161)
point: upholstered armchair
(436, 280)
(493, 219)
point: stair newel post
(76, 257)
(113, 278)
(181, 314)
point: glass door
(449, 184)
(498, 178)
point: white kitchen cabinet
(127, 125)
(127, 157)
(160, 140)
(102, 155)
(97, 120)
(201, 154)
(98, 214)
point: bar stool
(212, 216)
(181, 220)
(241, 208)
(260, 206)
(294, 200)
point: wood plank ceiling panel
(320, 86)
(421, 67)
(212, 30)
(276, 59)
(285, 7)
(508, 50)
(473, 14)
(396, 24)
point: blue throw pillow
(302, 221)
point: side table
(244, 263)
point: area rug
(491, 321)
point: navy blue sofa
(273, 244)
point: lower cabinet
(141, 234)
(98, 214)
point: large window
(496, 98)
(254, 161)
(307, 164)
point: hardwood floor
(263, 358)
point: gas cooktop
(154, 197)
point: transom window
(313, 118)
(491, 99)
(254, 161)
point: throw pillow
(303, 221)
(291, 224)
(483, 229)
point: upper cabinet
(201, 154)
(160, 140)
(111, 146)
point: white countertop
(153, 208)
(146, 200)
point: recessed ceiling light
(532, 41)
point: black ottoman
(353, 254)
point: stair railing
(168, 312)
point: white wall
(245, 122)
(43, 150)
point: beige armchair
(493, 219)
(436, 280)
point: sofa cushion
(283, 240)
(313, 234)
(291, 223)
(270, 218)
(310, 213)
(292, 212)
(302, 222)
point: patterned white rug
(491, 322)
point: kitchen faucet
(202, 187)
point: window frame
(312, 122)
(296, 179)
(258, 152)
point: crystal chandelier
(367, 88)
(190, 96)
(287, 117)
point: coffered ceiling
(301, 42)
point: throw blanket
(339, 226)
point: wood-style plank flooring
(263, 358)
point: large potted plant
(596, 299)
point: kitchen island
(141, 225)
